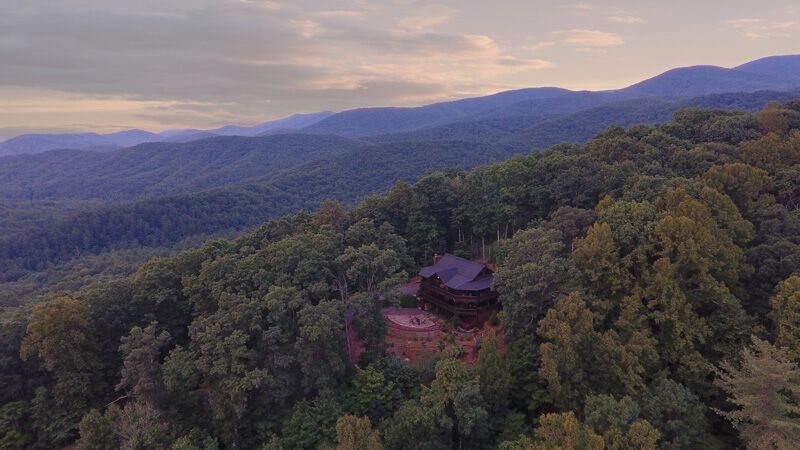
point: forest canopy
(650, 283)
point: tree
(572, 223)
(196, 439)
(140, 425)
(529, 391)
(564, 431)
(494, 371)
(372, 395)
(14, 426)
(619, 424)
(61, 336)
(772, 119)
(786, 316)
(331, 212)
(312, 423)
(372, 269)
(771, 152)
(597, 257)
(97, 431)
(414, 427)
(530, 277)
(765, 388)
(224, 361)
(320, 345)
(578, 359)
(370, 326)
(141, 368)
(570, 338)
(353, 433)
(744, 184)
(696, 266)
(454, 398)
(677, 413)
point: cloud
(202, 63)
(538, 46)
(583, 6)
(758, 29)
(340, 13)
(626, 19)
(263, 4)
(427, 18)
(527, 63)
(591, 39)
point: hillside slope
(156, 169)
(347, 176)
(171, 219)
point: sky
(108, 65)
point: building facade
(460, 288)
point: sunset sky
(105, 65)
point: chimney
(436, 258)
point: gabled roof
(459, 273)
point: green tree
(141, 368)
(196, 439)
(529, 391)
(746, 185)
(14, 428)
(771, 152)
(331, 212)
(60, 334)
(312, 423)
(530, 277)
(372, 269)
(677, 413)
(454, 397)
(320, 345)
(619, 423)
(577, 359)
(786, 316)
(370, 326)
(97, 430)
(223, 362)
(765, 388)
(494, 372)
(372, 395)
(353, 433)
(140, 425)
(564, 431)
(413, 427)
(599, 261)
(570, 338)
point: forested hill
(261, 178)
(650, 285)
(168, 220)
(779, 73)
(296, 172)
(158, 169)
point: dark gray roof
(459, 273)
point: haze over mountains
(37, 143)
(59, 205)
(778, 73)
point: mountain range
(58, 205)
(776, 73)
(37, 143)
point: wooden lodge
(459, 287)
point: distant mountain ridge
(159, 168)
(776, 73)
(38, 143)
